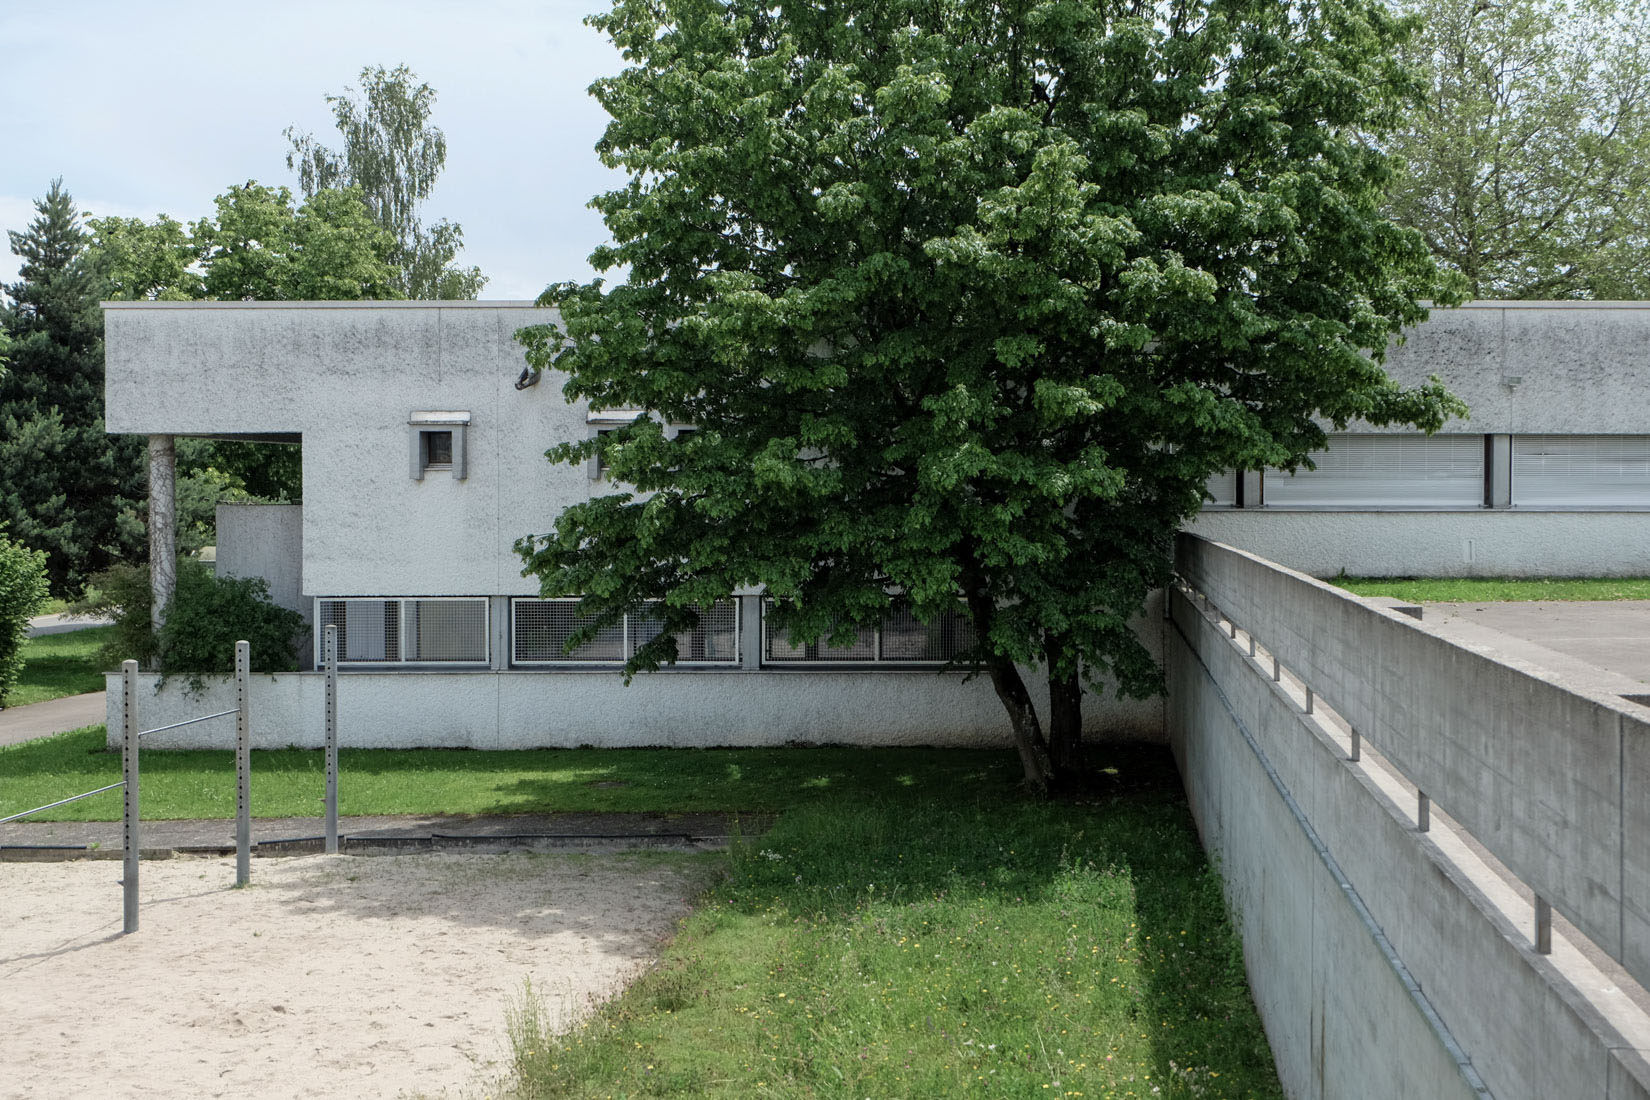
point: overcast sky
(157, 108)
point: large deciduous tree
(394, 156)
(1529, 159)
(65, 486)
(968, 301)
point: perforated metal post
(1277, 670)
(129, 772)
(1423, 811)
(1357, 747)
(329, 648)
(243, 764)
(1309, 700)
(1543, 926)
(1251, 645)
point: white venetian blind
(1386, 471)
(1581, 471)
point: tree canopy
(1529, 159)
(968, 302)
(394, 156)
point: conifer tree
(65, 486)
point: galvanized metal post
(129, 772)
(1423, 811)
(1543, 926)
(1309, 700)
(1357, 746)
(330, 655)
(1251, 645)
(1277, 671)
(243, 764)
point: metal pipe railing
(61, 802)
(188, 722)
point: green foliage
(56, 665)
(66, 487)
(143, 261)
(968, 302)
(1497, 589)
(23, 589)
(1529, 162)
(260, 247)
(906, 949)
(208, 615)
(393, 156)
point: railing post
(1357, 746)
(1251, 645)
(1277, 670)
(330, 655)
(129, 772)
(1543, 926)
(1423, 811)
(1309, 700)
(243, 764)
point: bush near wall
(208, 615)
(22, 590)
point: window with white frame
(540, 630)
(1385, 471)
(1581, 471)
(421, 630)
(899, 639)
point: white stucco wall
(1583, 365)
(346, 376)
(566, 709)
(1482, 543)
(265, 540)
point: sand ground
(329, 976)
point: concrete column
(163, 526)
(1252, 491)
(1498, 471)
(750, 632)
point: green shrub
(22, 590)
(208, 615)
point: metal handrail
(62, 802)
(187, 722)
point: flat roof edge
(371, 304)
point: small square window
(438, 450)
(438, 443)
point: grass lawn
(1497, 589)
(56, 665)
(925, 947)
(912, 926)
(288, 782)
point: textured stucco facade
(348, 378)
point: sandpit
(329, 976)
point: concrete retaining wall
(566, 708)
(1553, 781)
(1379, 964)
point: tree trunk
(1065, 725)
(1022, 715)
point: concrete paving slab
(18, 724)
(63, 624)
(1609, 634)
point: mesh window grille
(901, 638)
(542, 627)
(446, 630)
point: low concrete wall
(1554, 782)
(1479, 543)
(565, 708)
(1381, 967)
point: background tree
(394, 156)
(66, 487)
(968, 301)
(1529, 161)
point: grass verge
(288, 782)
(56, 665)
(935, 947)
(1497, 589)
